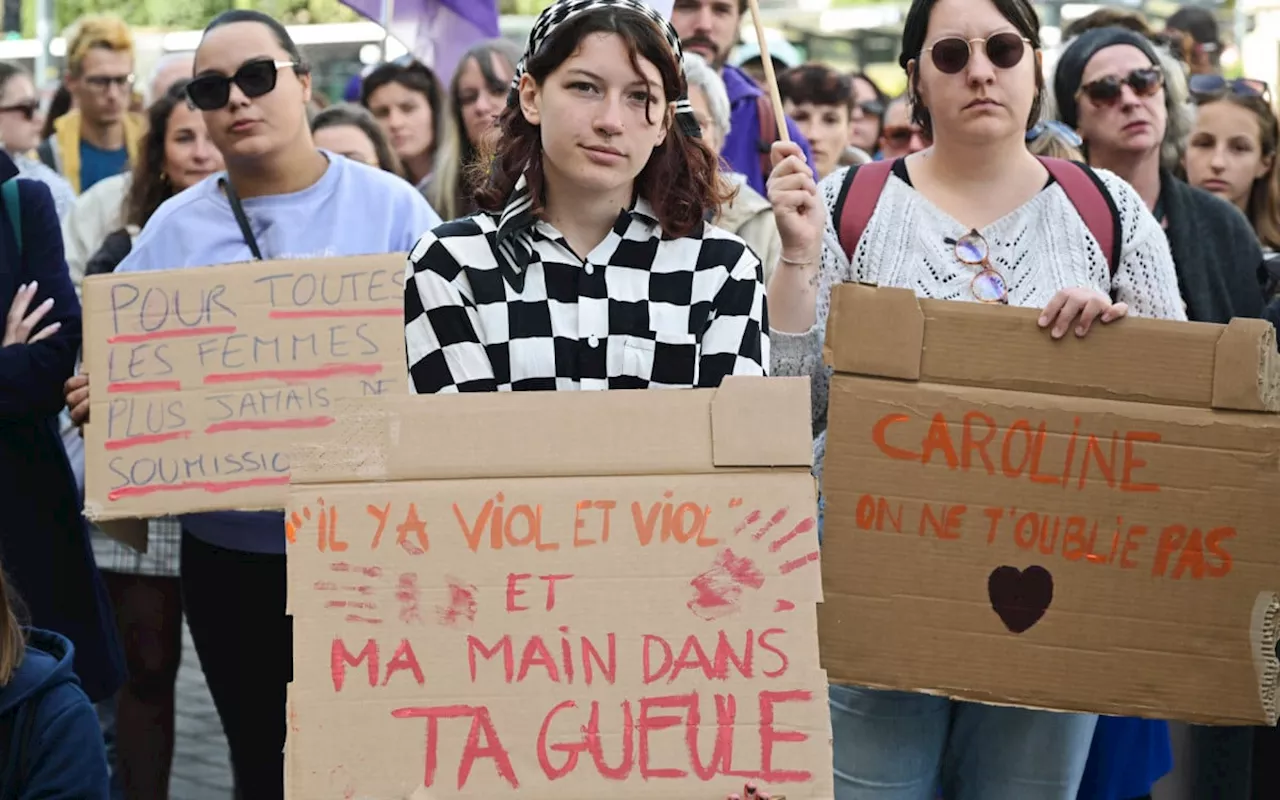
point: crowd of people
(609, 207)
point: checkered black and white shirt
(641, 311)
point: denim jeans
(904, 746)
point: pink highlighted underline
(222, 427)
(143, 386)
(334, 313)
(210, 487)
(175, 333)
(291, 375)
(269, 424)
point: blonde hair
(99, 30)
(1052, 146)
(13, 642)
(458, 165)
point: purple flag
(436, 32)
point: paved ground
(201, 770)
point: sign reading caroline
(1085, 525)
(203, 378)
(520, 595)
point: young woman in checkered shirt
(589, 265)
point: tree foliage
(184, 15)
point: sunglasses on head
(1106, 91)
(1216, 85)
(255, 78)
(1004, 51)
(27, 110)
(1052, 127)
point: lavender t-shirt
(352, 210)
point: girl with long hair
(1232, 150)
(408, 103)
(589, 265)
(477, 94)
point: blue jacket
(741, 149)
(1128, 756)
(44, 542)
(64, 757)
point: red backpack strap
(1093, 203)
(768, 134)
(862, 192)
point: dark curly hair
(150, 187)
(681, 179)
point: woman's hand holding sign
(76, 390)
(1080, 307)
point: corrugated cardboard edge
(1246, 367)
(1265, 632)
(761, 422)
(889, 317)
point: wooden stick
(770, 78)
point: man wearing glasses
(98, 137)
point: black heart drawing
(1020, 597)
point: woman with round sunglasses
(279, 198)
(974, 218)
(1130, 108)
(20, 122)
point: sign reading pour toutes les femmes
(204, 378)
(1080, 525)
(573, 609)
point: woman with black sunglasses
(280, 197)
(974, 218)
(20, 133)
(1129, 106)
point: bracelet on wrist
(793, 263)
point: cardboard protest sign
(558, 595)
(203, 378)
(1086, 524)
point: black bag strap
(238, 210)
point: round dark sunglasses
(255, 78)
(1213, 85)
(1004, 50)
(1106, 91)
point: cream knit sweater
(1041, 247)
